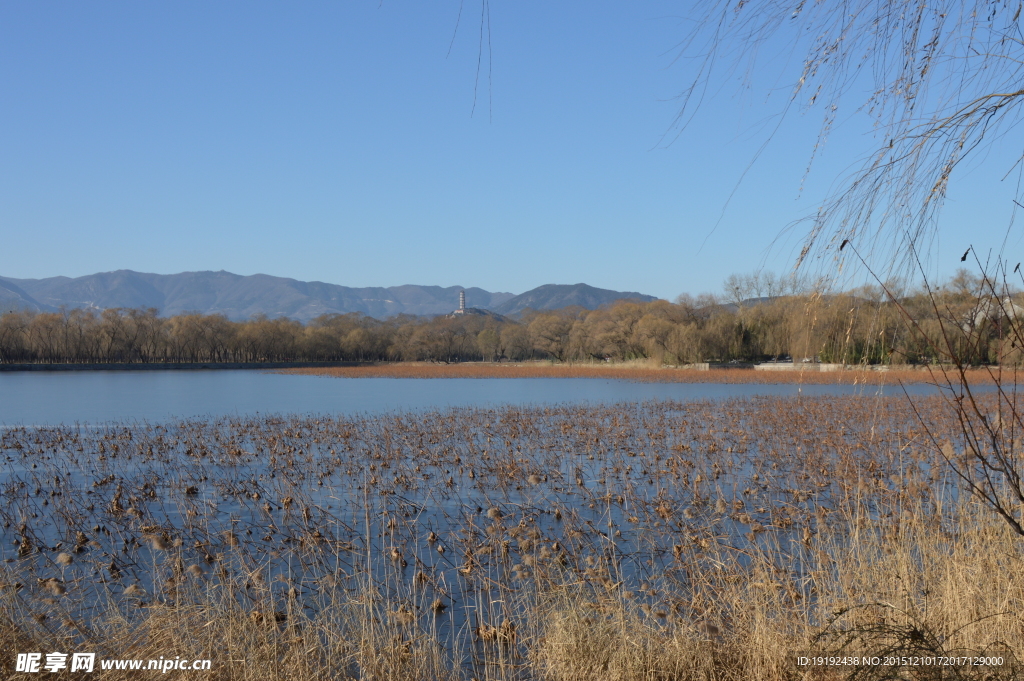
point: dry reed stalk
(623, 546)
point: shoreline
(648, 374)
(634, 371)
(173, 366)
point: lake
(370, 505)
(45, 398)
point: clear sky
(340, 142)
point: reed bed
(645, 372)
(662, 540)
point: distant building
(464, 311)
(462, 303)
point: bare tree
(943, 77)
(737, 288)
(944, 81)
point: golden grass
(641, 372)
(704, 541)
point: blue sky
(339, 142)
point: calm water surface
(323, 506)
(46, 398)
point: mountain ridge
(240, 297)
(555, 296)
(13, 298)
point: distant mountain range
(240, 297)
(13, 298)
(556, 296)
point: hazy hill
(239, 297)
(555, 296)
(734, 307)
(13, 298)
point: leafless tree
(943, 80)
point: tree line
(861, 326)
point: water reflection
(159, 396)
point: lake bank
(764, 373)
(651, 374)
(172, 366)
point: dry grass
(655, 541)
(642, 372)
